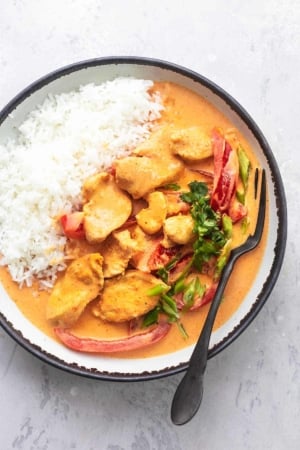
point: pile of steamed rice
(63, 141)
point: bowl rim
(281, 239)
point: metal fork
(189, 392)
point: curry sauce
(183, 108)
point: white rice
(62, 142)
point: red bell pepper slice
(206, 298)
(199, 301)
(237, 211)
(73, 225)
(93, 345)
(226, 171)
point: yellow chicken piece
(117, 250)
(158, 143)
(151, 165)
(125, 297)
(151, 219)
(107, 207)
(179, 229)
(81, 283)
(191, 144)
(140, 175)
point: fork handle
(188, 395)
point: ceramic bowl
(101, 367)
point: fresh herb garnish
(208, 226)
(213, 235)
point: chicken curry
(146, 248)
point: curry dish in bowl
(138, 251)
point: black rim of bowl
(280, 203)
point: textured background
(252, 389)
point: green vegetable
(207, 224)
(244, 169)
(179, 286)
(241, 196)
(194, 289)
(169, 306)
(223, 258)
(244, 166)
(182, 330)
(213, 237)
(227, 226)
(163, 272)
(151, 317)
(157, 290)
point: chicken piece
(158, 143)
(179, 229)
(191, 144)
(151, 219)
(174, 203)
(117, 250)
(146, 246)
(152, 165)
(125, 297)
(81, 283)
(107, 207)
(140, 175)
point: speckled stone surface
(252, 389)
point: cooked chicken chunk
(158, 143)
(174, 203)
(151, 219)
(140, 175)
(107, 207)
(179, 229)
(80, 284)
(146, 246)
(117, 250)
(125, 297)
(191, 144)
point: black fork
(189, 392)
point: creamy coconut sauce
(184, 108)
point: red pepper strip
(206, 298)
(92, 345)
(226, 170)
(199, 301)
(179, 301)
(73, 225)
(161, 256)
(237, 211)
(179, 268)
(154, 256)
(141, 259)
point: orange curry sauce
(183, 108)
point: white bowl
(102, 367)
